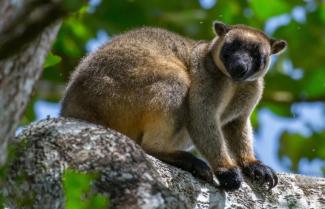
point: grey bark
(24, 44)
(129, 177)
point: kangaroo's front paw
(229, 179)
(202, 171)
(257, 171)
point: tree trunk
(24, 45)
(129, 177)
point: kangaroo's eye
(264, 60)
(260, 59)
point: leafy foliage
(296, 146)
(263, 9)
(304, 32)
(77, 188)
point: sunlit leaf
(51, 60)
(265, 9)
(77, 188)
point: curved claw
(261, 173)
(269, 179)
(274, 179)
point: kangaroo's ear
(220, 28)
(278, 46)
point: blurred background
(290, 120)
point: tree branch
(19, 30)
(129, 177)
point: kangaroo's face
(243, 53)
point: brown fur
(159, 88)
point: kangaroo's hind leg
(161, 141)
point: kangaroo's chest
(242, 98)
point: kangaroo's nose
(241, 69)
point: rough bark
(129, 177)
(22, 21)
(24, 44)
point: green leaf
(314, 83)
(29, 115)
(51, 60)
(265, 9)
(98, 201)
(75, 185)
(229, 12)
(78, 28)
(77, 188)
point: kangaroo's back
(157, 41)
(132, 82)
